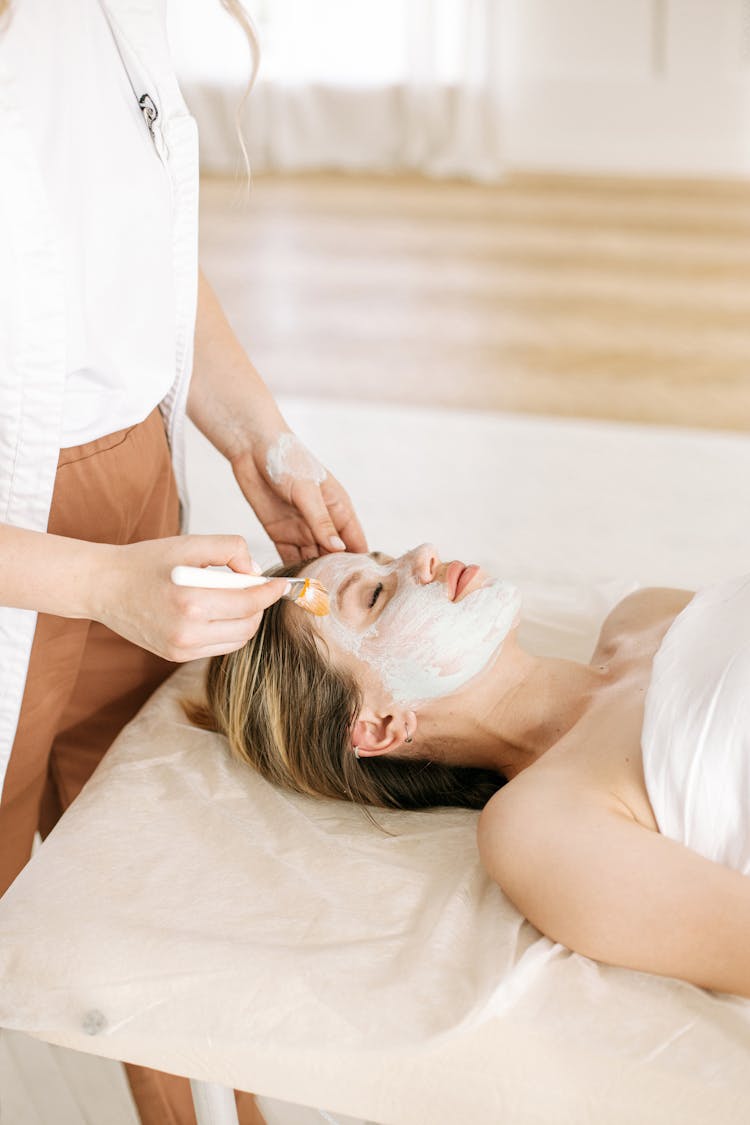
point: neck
(512, 714)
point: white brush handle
(215, 578)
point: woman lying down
(615, 795)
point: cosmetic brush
(305, 592)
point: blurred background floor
(589, 297)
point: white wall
(641, 87)
(636, 86)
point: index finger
(232, 605)
(307, 498)
(352, 534)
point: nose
(425, 563)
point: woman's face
(422, 628)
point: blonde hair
(243, 18)
(287, 711)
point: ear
(374, 734)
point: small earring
(408, 737)
(356, 751)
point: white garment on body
(35, 263)
(696, 730)
(110, 200)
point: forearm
(301, 506)
(228, 400)
(48, 573)
(128, 588)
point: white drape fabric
(696, 728)
(352, 85)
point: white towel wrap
(696, 731)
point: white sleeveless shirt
(109, 197)
(696, 730)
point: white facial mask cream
(289, 457)
(423, 645)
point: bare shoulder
(524, 816)
(528, 810)
(537, 827)
(642, 610)
(591, 877)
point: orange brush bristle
(314, 598)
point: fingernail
(287, 588)
(337, 544)
(254, 568)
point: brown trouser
(85, 682)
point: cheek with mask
(423, 645)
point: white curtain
(356, 85)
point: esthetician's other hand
(133, 594)
(304, 510)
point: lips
(457, 578)
(464, 579)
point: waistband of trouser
(108, 441)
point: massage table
(186, 915)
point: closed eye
(375, 594)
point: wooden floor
(610, 299)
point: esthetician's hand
(132, 593)
(304, 510)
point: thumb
(307, 499)
(268, 593)
(219, 550)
